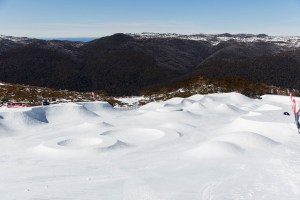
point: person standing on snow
(298, 119)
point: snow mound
(80, 142)
(249, 107)
(69, 113)
(196, 97)
(248, 139)
(216, 149)
(21, 120)
(169, 108)
(227, 98)
(207, 99)
(268, 107)
(142, 136)
(252, 114)
(214, 108)
(196, 108)
(178, 126)
(150, 106)
(236, 98)
(186, 102)
(163, 115)
(228, 109)
(266, 127)
(75, 145)
(174, 101)
(98, 107)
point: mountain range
(126, 64)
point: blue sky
(96, 18)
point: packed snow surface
(218, 146)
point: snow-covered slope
(219, 146)
(15, 39)
(214, 39)
(289, 41)
(10, 42)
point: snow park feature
(216, 146)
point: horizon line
(96, 37)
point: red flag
(291, 95)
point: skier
(298, 119)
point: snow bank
(216, 150)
